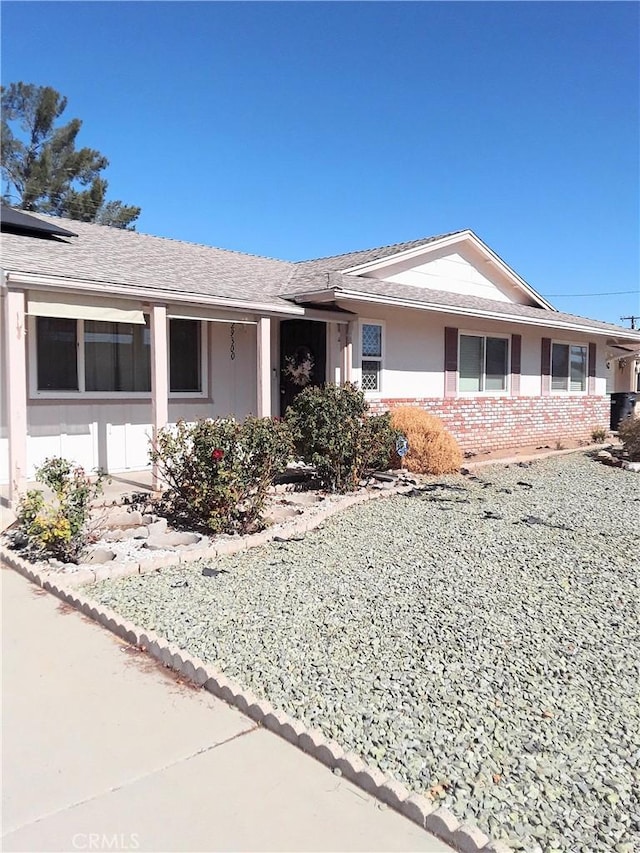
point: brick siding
(493, 423)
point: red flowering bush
(218, 471)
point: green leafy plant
(60, 527)
(218, 471)
(598, 435)
(629, 435)
(333, 432)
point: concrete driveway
(105, 750)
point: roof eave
(17, 278)
(546, 322)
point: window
(568, 368)
(116, 356)
(103, 357)
(57, 354)
(482, 365)
(184, 355)
(371, 356)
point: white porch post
(346, 352)
(16, 385)
(159, 376)
(263, 346)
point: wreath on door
(298, 368)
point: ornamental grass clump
(218, 471)
(629, 435)
(58, 528)
(432, 449)
(333, 431)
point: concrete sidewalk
(105, 750)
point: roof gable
(458, 263)
(312, 271)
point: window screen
(57, 354)
(578, 369)
(471, 362)
(560, 367)
(184, 355)
(496, 364)
(117, 356)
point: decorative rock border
(439, 821)
(38, 572)
(417, 808)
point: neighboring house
(111, 334)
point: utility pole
(633, 320)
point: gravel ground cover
(478, 640)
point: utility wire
(609, 293)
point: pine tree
(41, 163)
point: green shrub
(60, 528)
(218, 471)
(333, 432)
(629, 435)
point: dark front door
(303, 357)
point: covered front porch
(201, 360)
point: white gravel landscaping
(478, 640)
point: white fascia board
(329, 316)
(408, 254)
(461, 237)
(31, 280)
(355, 296)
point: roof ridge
(162, 237)
(380, 248)
(207, 246)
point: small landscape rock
(99, 556)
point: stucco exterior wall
(413, 374)
(114, 433)
(413, 346)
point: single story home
(109, 334)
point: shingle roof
(305, 272)
(108, 255)
(112, 255)
(370, 286)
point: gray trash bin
(622, 405)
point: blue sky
(302, 129)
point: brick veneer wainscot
(494, 423)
